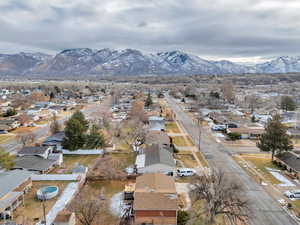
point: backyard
(32, 211)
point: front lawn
(4, 138)
(261, 162)
(71, 160)
(172, 127)
(188, 159)
(182, 141)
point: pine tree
(74, 134)
(148, 101)
(275, 140)
(94, 139)
(80, 117)
(288, 104)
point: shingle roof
(36, 150)
(291, 159)
(12, 179)
(157, 137)
(156, 154)
(155, 182)
(155, 191)
(32, 162)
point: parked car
(218, 127)
(185, 172)
(293, 194)
(231, 125)
(3, 132)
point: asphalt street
(265, 210)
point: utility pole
(199, 119)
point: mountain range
(107, 62)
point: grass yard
(23, 130)
(4, 138)
(32, 209)
(71, 160)
(182, 141)
(126, 158)
(172, 127)
(261, 162)
(188, 159)
(202, 159)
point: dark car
(232, 125)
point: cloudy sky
(240, 30)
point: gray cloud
(212, 28)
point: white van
(184, 172)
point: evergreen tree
(74, 134)
(80, 117)
(275, 140)
(94, 139)
(288, 103)
(148, 101)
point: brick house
(155, 200)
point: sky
(238, 30)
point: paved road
(266, 211)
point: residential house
(247, 133)
(155, 200)
(156, 123)
(14, 185)
(291, 160)
(42, 151)
(8, 125)
(158, 137)
(155, 159)
(55, 140)
(39, 159)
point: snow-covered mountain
(85, 61)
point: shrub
(234, 136)
(182, 217)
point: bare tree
(252, 102)
(54, 126)
(86, 210)
(26, 139)
(108, 168)
(227, 88)
(222, 197)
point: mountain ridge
(86, 61)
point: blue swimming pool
(47, 192)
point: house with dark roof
(55, 140)
(155, 159)
(37, 159)
(42, 151)
(291, 160)
(155, 200)
(14, 185)
(34, 163)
